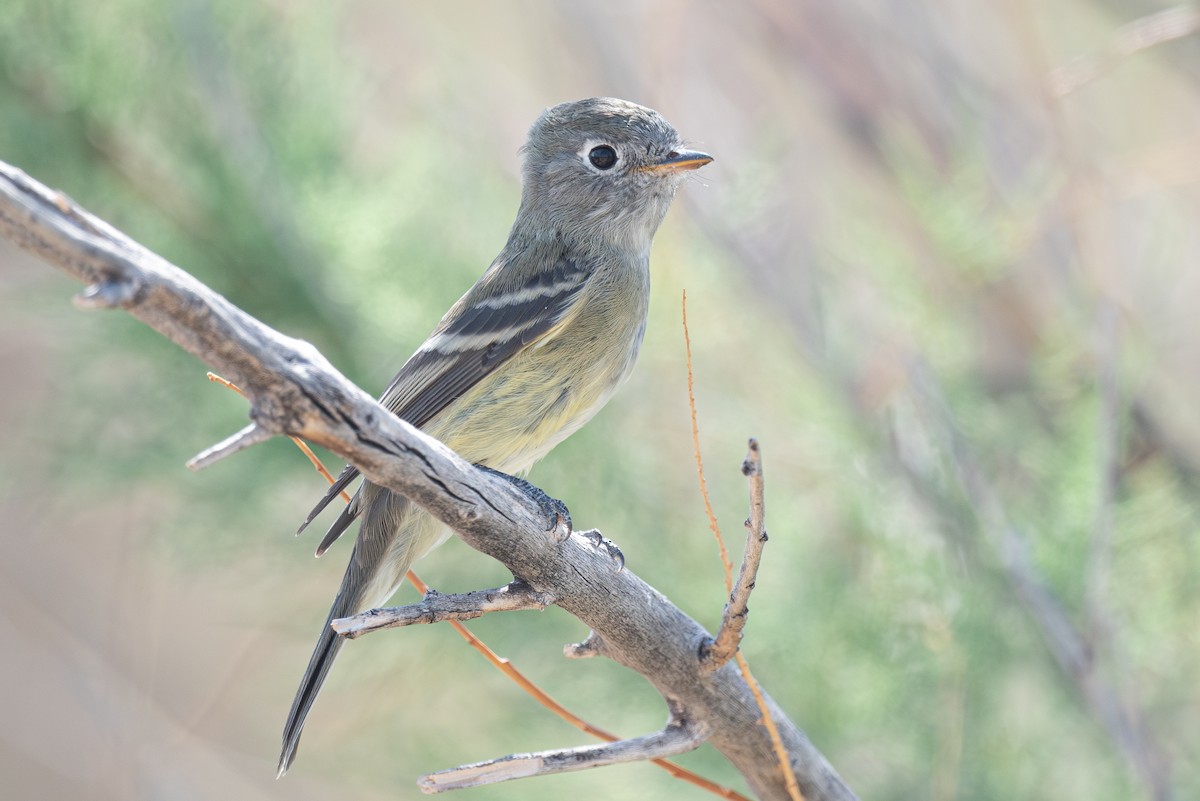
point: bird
(534, 348)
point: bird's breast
(516, 415)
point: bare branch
(293, 390)
(436, 608)
(248, 437)
(733, 622)
(105, 295)
(592, 646)
(677, 738)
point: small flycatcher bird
(533, 350)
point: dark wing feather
(347, 516)
(500, 325)
(348, 474)
(499, 321)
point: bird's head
(603, 170)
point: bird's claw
(602, 543)
(560, 517)
(555, 510)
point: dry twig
(438, 608)
(678, 737)
(734, 618)
(733, 622)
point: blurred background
(944, 267)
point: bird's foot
(556, 511)
(602, 543)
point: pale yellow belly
(514, 417)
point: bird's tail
(388, 542)
(314, 676)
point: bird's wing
(497, 319)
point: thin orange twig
(712, 517)
(781, 754)
(505, 665)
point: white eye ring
(600, 157)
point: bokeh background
(944, 267)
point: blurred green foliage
(881, 303)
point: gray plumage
(533, 350)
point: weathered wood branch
(678, 737)
(436, 607)
(592, 645)
(293, 390)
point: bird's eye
(602, 157)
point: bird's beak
(678, 161)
